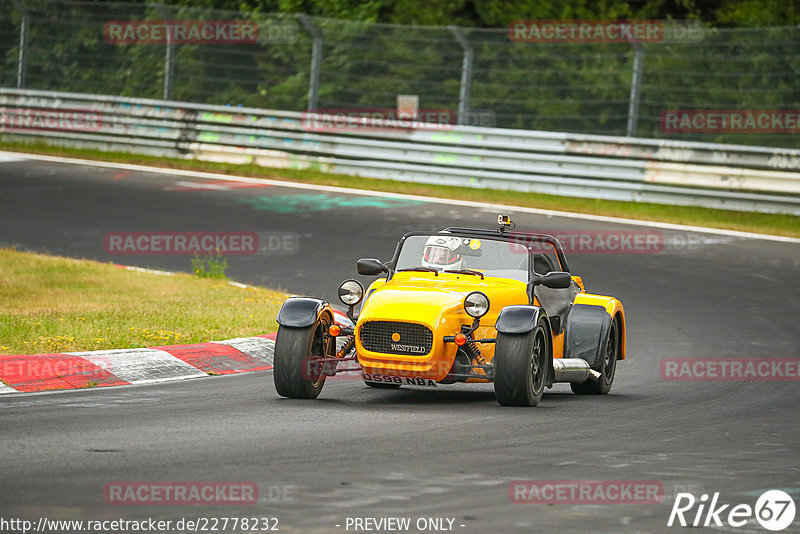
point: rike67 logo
(774, 510)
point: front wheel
(520, 367)
(297, 372)
(607, 366)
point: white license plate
(400, 380)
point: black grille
(415, 339)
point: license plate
(400, 380)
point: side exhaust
(574, 370)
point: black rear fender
(587, 326)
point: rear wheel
(520, 367)
(607, 366)
(298, 352)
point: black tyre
(296, 364)
(606, 366)
(520, 367)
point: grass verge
(777, 224)
(53, 304)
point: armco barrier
(616, 168)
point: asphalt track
(449, 452)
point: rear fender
(587, 326)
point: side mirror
(557, 280)
(370, 267)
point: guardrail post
(22, 62)
(316, 60)
(636, 88)
(466, 75)
(169, 55)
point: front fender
(518, 319)
(522, 320)
(301, 312)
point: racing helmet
(440, 253)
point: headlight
(476, 304)
(351, 292)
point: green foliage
(578, 87)
(212, 266)
(498, 13)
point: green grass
(53, 304)
(777, 224)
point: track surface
(449, 452)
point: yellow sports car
(460, 305)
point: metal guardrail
(616, 168)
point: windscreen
(492, 257)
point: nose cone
(422, 305)
(401, 328)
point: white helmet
(440, 253)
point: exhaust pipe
(574, 370)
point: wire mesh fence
(484, 76)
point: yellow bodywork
(436, 301)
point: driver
(440, 253)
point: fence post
(22, 62)
(169, 54)
(636, 89)
(169, 66)
(466, 74)
(316, 60)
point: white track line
(9, 157)
(436, 200)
